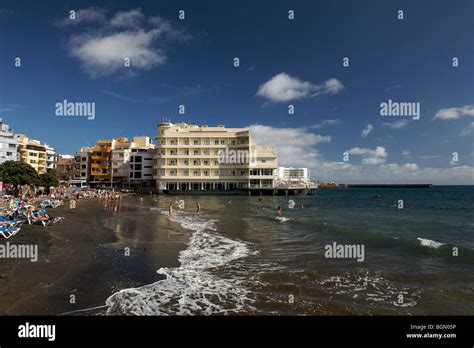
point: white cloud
(283, 88)
(455, 113)
(406, 152)
(295, 146)
(85, 15)
(103, 50)
(366, 131)
(325, 123)
(369, 156)
(299, 147)
(125, 19)
(397, 124)
(468, 129)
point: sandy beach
(84, 256)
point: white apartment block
(8, 144)
(290, 174)
(132, 161)
(51, 158)
(191, 157)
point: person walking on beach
(170, 212)
(198, 208)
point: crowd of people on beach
(28, 204)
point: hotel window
(233, 142)
(206, 163)
(138, 167)
(222, 142)
(216, 142)
(195, 163)
(242, 173)
(195, 173)
(196, 142)
(206, 173)
(186, 142)
(186, 163)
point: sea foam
(430, 243)
(194, 287)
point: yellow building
(101, 162)
(32, 152)
(191, 157)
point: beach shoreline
(79, 256)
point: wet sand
(85, 256)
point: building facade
(8, 144)
(132, 162)
(101, 163)
(141, 162)
(293, 174)
(65, 169)
(51, 158)
(32, 152)
(82, 161)
(191, 157)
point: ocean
(240, 259)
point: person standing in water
(279, 211)
(198, 208)
(170, 212)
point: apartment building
(191, 157)
(132, 161)
(82, 165)
(8, 144)
(32, 152)
(51, 158)
(65, 169)
(120, 161)
(141, 162)
(293, 174)
(101, 163)
(263, 171)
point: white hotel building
(190, 157)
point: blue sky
(282, 62)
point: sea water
(241, 259)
